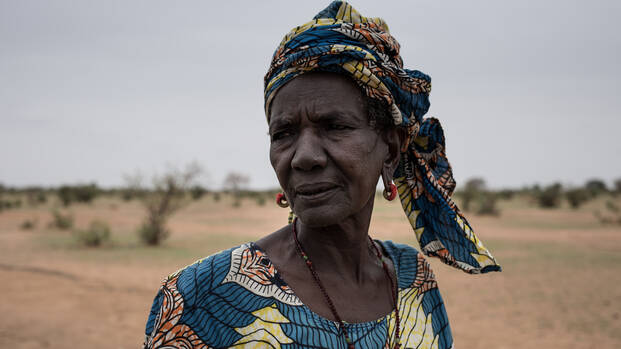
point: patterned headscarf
(342, 41)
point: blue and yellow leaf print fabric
(340, 40)
(237, 299)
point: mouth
(315, 190)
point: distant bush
(261, 200)
(216, 196)
(35, 195)
(28, 224)
(506, 194)
(97, 234)
(472, 190)
(595, 187)
(617, 186)
(166, 198)
(612, 214)
(197, 192)
(235, 184)
(576, 197)
(487, 204)
(61, 221)
(78, 193)
(550, 196)
(152, 233)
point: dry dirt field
(560, 288)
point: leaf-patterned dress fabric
(342, 41)
(237, 299)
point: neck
(341, 248)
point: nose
(309, 152)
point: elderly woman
(342, 113)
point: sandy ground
(560, 288)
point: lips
(315, 190)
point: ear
(394, 138)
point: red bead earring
(281, 200)
(392, 194)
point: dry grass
(560, 287)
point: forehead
(318, 93)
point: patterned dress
(237, 299)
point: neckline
(353, 325)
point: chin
(321, 216)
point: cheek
(280, 164)
(362, 161)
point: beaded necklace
(309, 264)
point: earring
(281, 200)
(392, 194)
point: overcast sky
(527, 91)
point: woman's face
(326, 155)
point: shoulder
(419, 294)
(180, 294)
(412, 268)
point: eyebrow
(282, 122)
(337, 115)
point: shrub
(506, 194)
(28, 224)
(471, 192)
(197, 192)
(487, 204)
(549, 197)
(216, 197)
(612, 215)
(617, 186)
(97, 234)
(152, 233)
(235, 182)
(595, 187)
(167, 198)
(576, 197)
(261, 200)
(79, 193)
(61, 221)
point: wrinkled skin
(328, 159)
(326, 155)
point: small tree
(617, 186)
(550, 196)
(166, 198)
(472, 190)
(78, 193)
(576, 197)
(235, 182)
(595, 187)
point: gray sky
(527, 91)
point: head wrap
(342, 41)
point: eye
(338, 127)
(282, 134)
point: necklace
(309, 264)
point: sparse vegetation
(550, 196)
(28, 224)
(77, 193)
(595, 187)
(235, 182)
(477, 198)
(487, 204)
(197, 192)
(576, 197)
(61, 221)
(166, 198)
(472, 189)
(97, 234)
